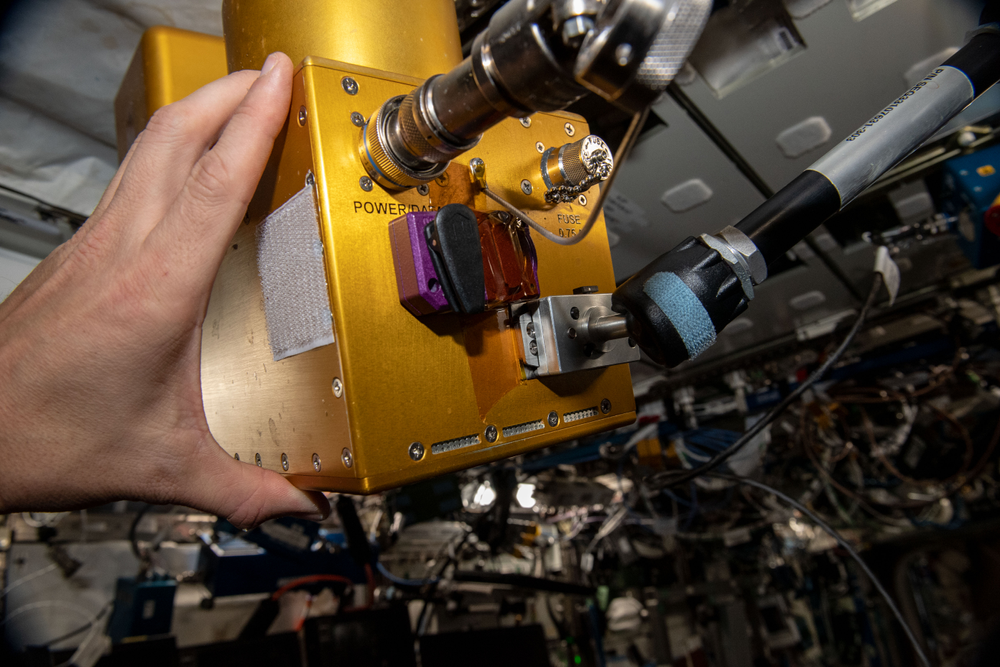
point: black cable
(76, 218)
(133, 540)
(673, 479)
(847, 547)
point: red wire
(309, 580)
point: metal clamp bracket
(736, 249)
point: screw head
(553, 418)
(530, 329)
(346, 457)
(284, 462)
(491, 433)
(338, 387)
(236, 456)
(533, 348)
(540, 147)
(623, 54)
(571, 333)
(525, 122)
(631, 343)
(256, 459)
(423, 190)
(303, 114)
(526, 186)
(416, 451)
(574, 312)
(357, 119)
(570, 130)
(582, 200)
(317, 465)
(605, 406)
(350, 85)
(366, 184)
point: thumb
(247, 495)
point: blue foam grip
(683, 309)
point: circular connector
(378, 158)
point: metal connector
(737, 250)
(563, 334)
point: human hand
(100, 347)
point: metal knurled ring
(374, 156)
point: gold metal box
(344, 416)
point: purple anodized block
(419, 285)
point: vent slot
(520, 429)
(579, 414)
(452, 445)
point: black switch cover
(453, 239)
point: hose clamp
(736, 249)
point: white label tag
(885, 265)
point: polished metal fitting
(737, 250)
(380, 157)
(574, 168)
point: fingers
(245, 494)
(216, 194)
(174, 140)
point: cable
(28, 577)
(302, 581)
(672, 479)
(82, 628)
(848, 548)
(400, 581)
(634, 128)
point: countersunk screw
(526, 186)
(346, 457)
(571, 333)
(530, 329)
(356, 118)
(257, 460)
(338, 387)
(491, 433)
(574, 312)
(317, 466)
(526, 122)
(583, 200)
(423, 190)
(540, 147)
(553, 418)
(350, 85)
(533, 348)
(303, 114)
(284, 462)
(570, 130)
(236, 456)
(366, 184)
(416, 451)
(605, 406)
